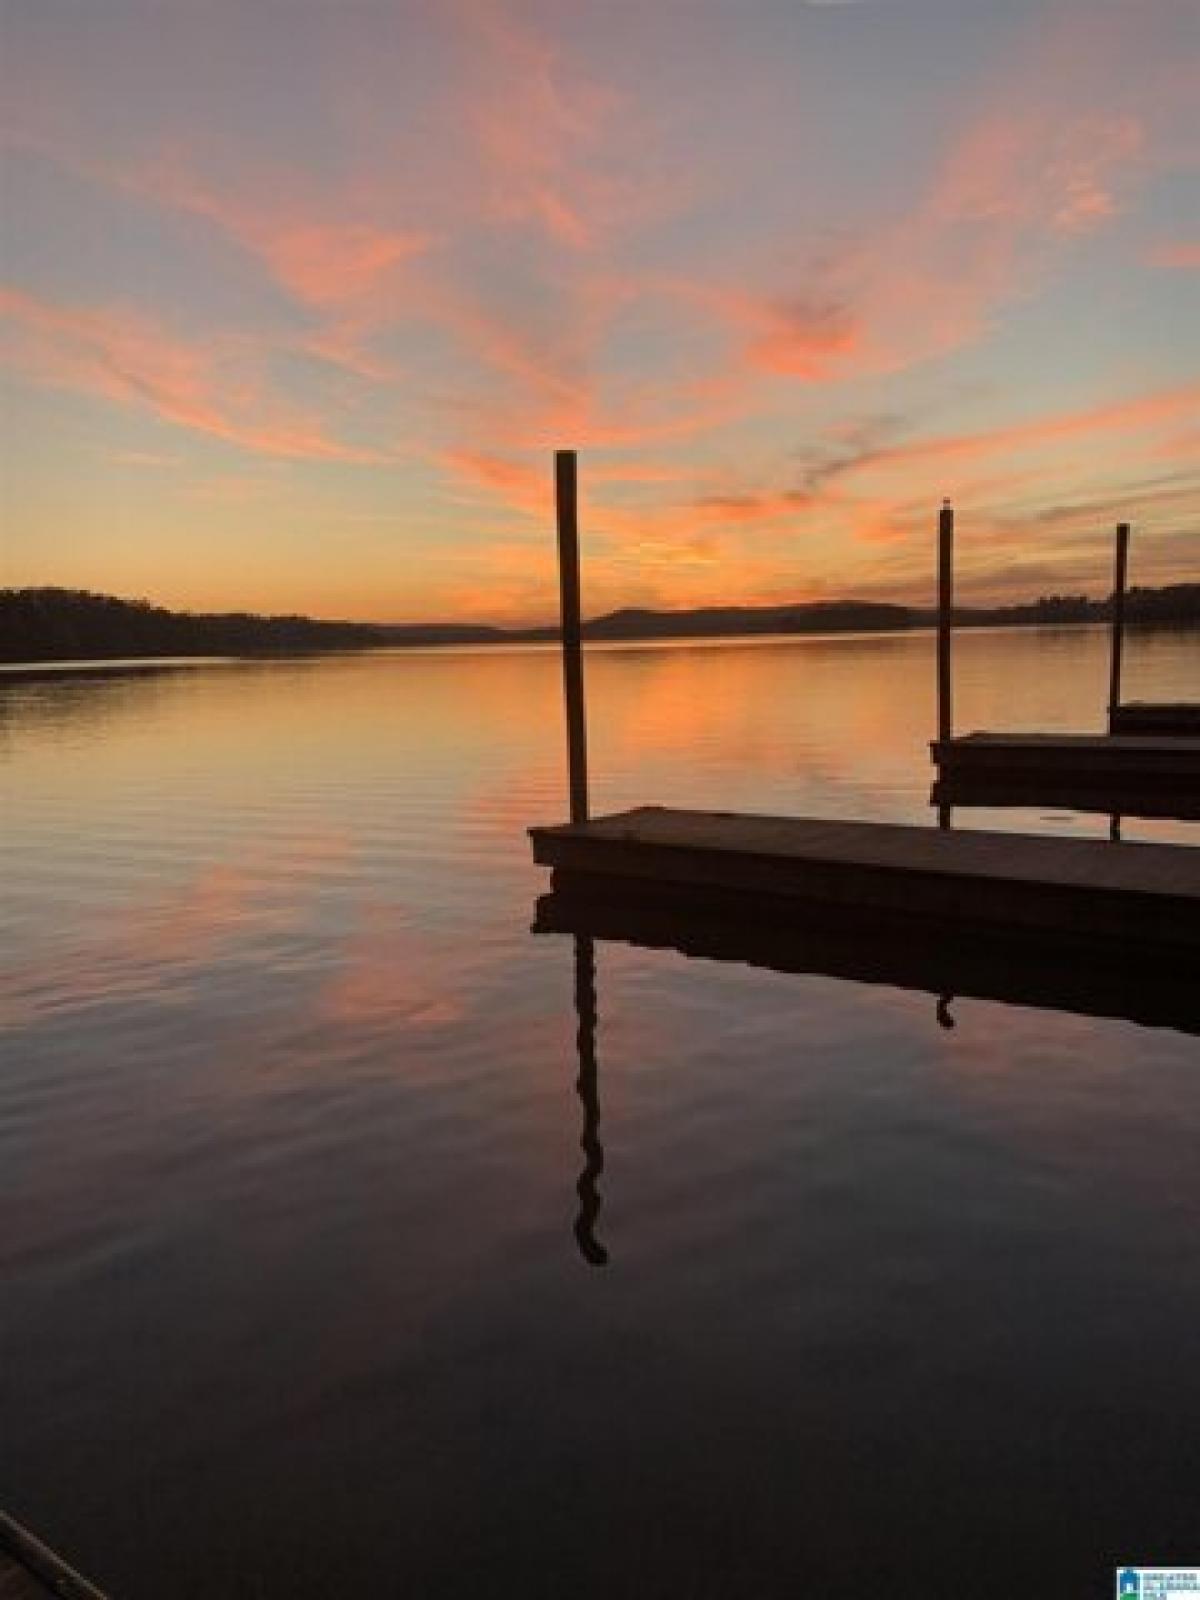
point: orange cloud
(322, 250)
(1029, 174)
(1126, 416)
(519, 486)
(1016, 187)
(322, 262)
(123, 357)
(554, 395)
(793, 336)
(538, 129)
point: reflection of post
(945, 622)
(1118, 622)
(572, 648)
(587, 1085)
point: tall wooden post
(945, 621)
(566, 507)
(1118, 622)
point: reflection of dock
(1144, 777)
(1145, 895)
(894, 949)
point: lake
(292, 1301)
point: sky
(297, 298)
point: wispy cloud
(546, 238)
(324, 261)
(123, 357)
(1126, 417)
(144, 458)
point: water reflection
(588, 1087)
(1165, 798)
(1156, 988)
(284, 1102)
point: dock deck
(1148, 776)
(1093, 890)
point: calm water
(289, 1137)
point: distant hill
(820, 616)
(75, 624)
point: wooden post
(1118, 622)
(945, 620)
(565, 497)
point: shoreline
(54, 667)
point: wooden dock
(1149, 719)
(1104, 902)
(1102, 894)
(1147, 766)
(1147, 776)
(1180, 720)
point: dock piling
(1118, 621)
(945, 623)
(566, 509)
(945, 619)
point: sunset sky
(299, 295)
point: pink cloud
(518, 485)
(1123, 416)
(540, 129)
(123, 357)
(518, 264)
(321, 261)
(1176, 255)
(1015, 190)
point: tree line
(76, 624)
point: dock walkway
(1147, 894)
